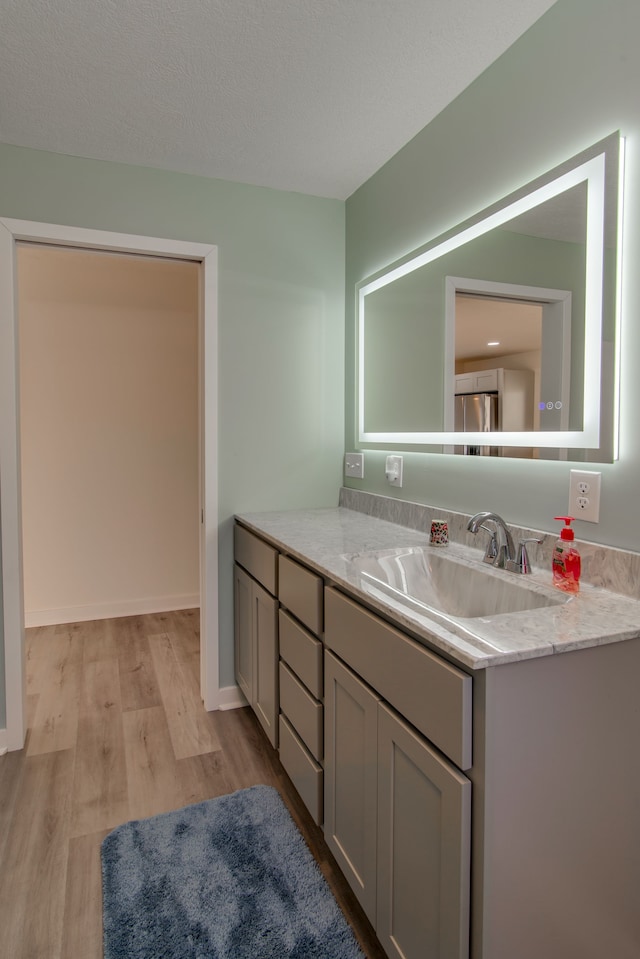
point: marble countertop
(323, 538)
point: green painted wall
(571, 80)
(281, 319)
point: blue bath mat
(230, 878)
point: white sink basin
(433, 581)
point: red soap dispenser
(566, 559)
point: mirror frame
(599, 166)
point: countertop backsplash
(617, 570)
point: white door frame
(12, 231)
(556, 333)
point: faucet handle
(491, 550)
(521, 563)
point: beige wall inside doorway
(109, 430)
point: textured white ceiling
(305, 95)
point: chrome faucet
(500, 551)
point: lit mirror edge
(617, 306)
(590, 165)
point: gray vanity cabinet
(256, 628)
(488, 814)
(397, 812)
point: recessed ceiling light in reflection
(494, 343)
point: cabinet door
(265, 638)
(350, 779)
(465, 383)
(482, 381)
(487, 381)
(424, 810)
(243, 644)
(256, 650)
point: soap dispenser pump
(566, 559)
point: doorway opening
(108, 376)
(12, 233)
(522, 336)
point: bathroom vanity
(476, 776)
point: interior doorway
(11, 234)
(108, 346)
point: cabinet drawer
(432, 694)
(302, 710)
(300, 591)
(302, 652)
(304, 772)
(257, 557)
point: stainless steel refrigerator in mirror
(476, 413)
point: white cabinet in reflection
(499, 399)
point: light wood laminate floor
(117, 731)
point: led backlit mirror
(499, 337)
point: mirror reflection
(485, 332)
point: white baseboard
(231, 697)
(132, 607)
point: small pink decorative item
(439, 533)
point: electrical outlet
(584, 495)
(354, 465)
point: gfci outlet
(584, 495)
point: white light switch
(354, 465)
